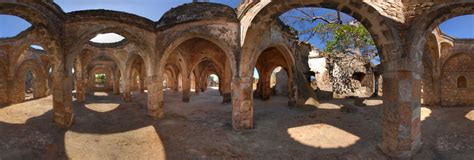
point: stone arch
(258, 19)
(38, 13)
(127, 74)
(431, 19)
(142, 47)
(109, 78)
(174, 43)
(280, 57)
(40, 83)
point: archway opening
(356, 41)
(29, 85)
(279, 82)
(274, 77)
(100, 79)
(344, 54)
(213, 81)
(447, 62)
(194, 66)
(16, 25)
(446, 91)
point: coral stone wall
(454, 68)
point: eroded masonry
(190, 42)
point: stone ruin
(194, 40)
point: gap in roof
(38, 47)
(107, 38)
(151, 9)
(11, 25)
(459, 27)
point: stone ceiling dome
(197, 11)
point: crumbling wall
(350, 75)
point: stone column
(226, 84)
(186, 81)
(265, 90)
(401, 113)
(220, 84)
(226, 90)
(242, 104)
(197, 85)
(292, 92)
(141, 86)
(204, 84)
(116, 85)
(175, 84)
(62, 100)
(155, 97)
(127, 87)
(80, 90)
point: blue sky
(460, 27)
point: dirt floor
(105, 128)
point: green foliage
(350, 38)
(100, 78)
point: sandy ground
(105, 128)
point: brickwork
(232, 42)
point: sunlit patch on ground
(470, 115)
(126, 145)
(329, 106)
(425, 113)
(373, 102)
(317, 136)
(20, 113)
(102, 107)
(101, 94)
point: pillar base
(227, 98)
(186, 99)
(126, 98)
(292, 103)
(156, 112)
(401, 154)
(64, 120)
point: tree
(348, 46)
(340, 34)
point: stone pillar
(197, 85)
(221, 91)
(292, 92)
(116, 85)
(62, 100)
(127, 87)
(204, 84)
(141, 85)
(401, 113)
(155, 97)
(80, 90)
(175, 84)
(265, 90)
(226, 90)
(13, 92)
(186, 87)
(258, 90)
(242, 104)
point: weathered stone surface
(206, 38)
